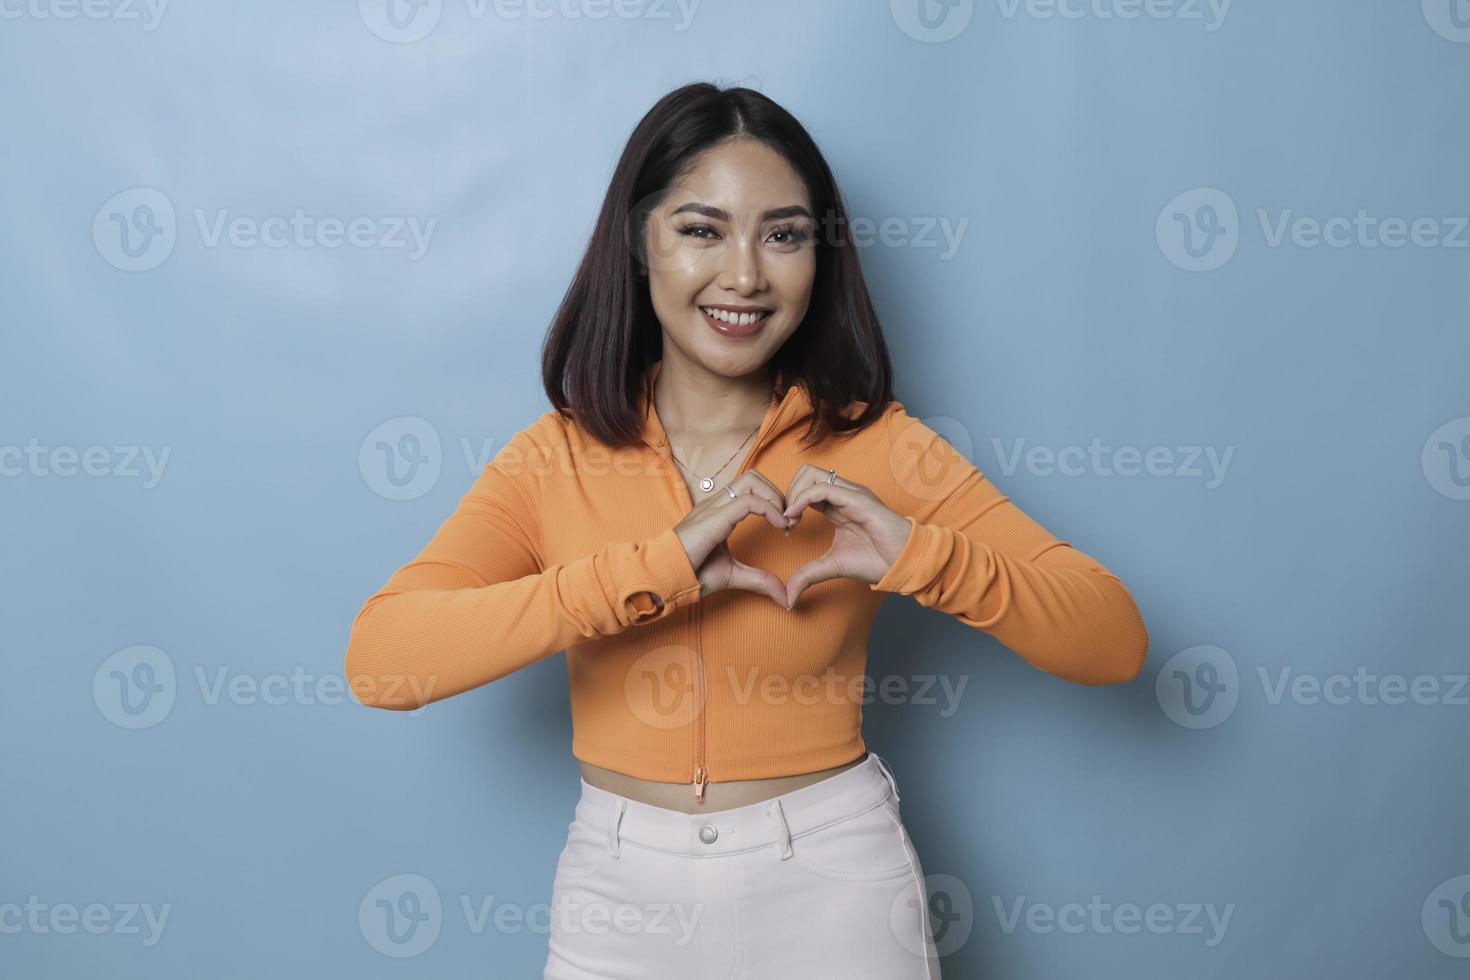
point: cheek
(673, 289)
(793, 277)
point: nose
(740, 266)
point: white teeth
(739, 319)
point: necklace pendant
(706, 484)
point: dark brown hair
(606, 329)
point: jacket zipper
(701, 772)
(700, 776)
(691, 617)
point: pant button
(708, 833)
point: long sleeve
(477, 602)
(974, 554)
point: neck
(697, 402)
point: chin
(735, 363)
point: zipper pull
(699, 781)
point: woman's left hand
(868, 536)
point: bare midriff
(717, 795)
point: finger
(819, 569)
(759, 486)
(752, 579)
(761, 478)
(820, 494)
(809, 475)
(805, 475)
(745, 504)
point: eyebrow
(775, 214)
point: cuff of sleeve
(665, 580)
(923, 555)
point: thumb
(817, 570)
(743, 576)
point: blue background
(1335, 834)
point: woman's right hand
(705, 530)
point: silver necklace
(708, 483)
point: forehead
(739, 175)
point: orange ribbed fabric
(563, 543)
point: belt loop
(783, 831)
(614, 842)
(888, 774)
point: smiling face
(732, 256)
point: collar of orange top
(780, 415)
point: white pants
(821, 882)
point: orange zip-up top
(563, 543)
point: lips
(734, 324)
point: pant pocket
(585, 852)
(867, 846)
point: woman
(717, 358)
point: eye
(794, 235)
(705, 232)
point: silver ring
(731, 492)
(831, 476)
